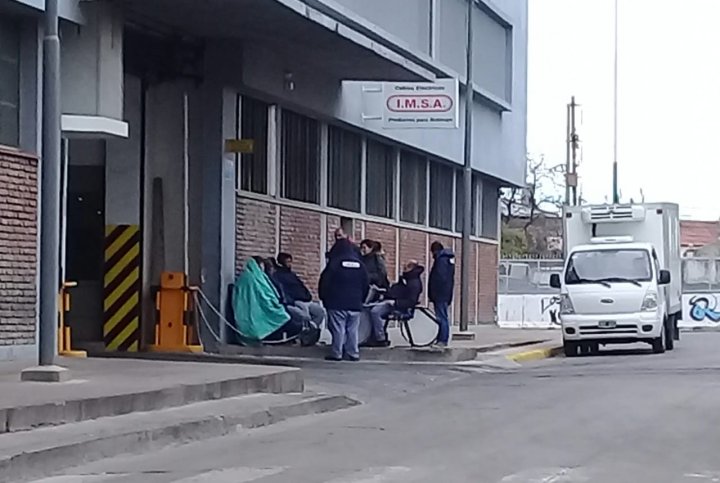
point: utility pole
(573, 149)
(572, 139)
(616, 193)
(467, 177)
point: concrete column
(218, 203)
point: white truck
(621, 281)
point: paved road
(627, 417)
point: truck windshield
(631, 265)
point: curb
(75, 410)
(40, 463)
(536, 354)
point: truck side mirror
(555, 280)
(664, 278)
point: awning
(289, 25)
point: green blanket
(258, 312)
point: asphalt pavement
(624, 416)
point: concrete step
(44, 451)
(151, 386)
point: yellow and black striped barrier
(121, 327)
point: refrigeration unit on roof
(613, 214)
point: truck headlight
(650, 302)
(566, 305)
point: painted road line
(536, 354)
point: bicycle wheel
(423, 327)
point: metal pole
(186, 184)
(573, 150)
(568, 165)
(467, 179)
(50, 188)
(616, 194)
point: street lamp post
(50, 188)
(467, 179)
(616, 192)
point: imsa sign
(421, 105)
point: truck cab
(614, 288)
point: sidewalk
(108, 387)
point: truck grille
(621, 329)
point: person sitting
(257, 306)
(402, 297)
(296, 292)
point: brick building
(153, 90)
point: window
(300, 154)
(344, 170)
(608, 265)
(380, 190)
(413, 187)
(441, 196)
(9, 83)
(490, 199)
(460, 200)
(253, 166)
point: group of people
(272, 303)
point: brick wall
(487, 282)
(300, 232)
(255, 230)
(18, 248)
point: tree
(542, 196)
(542, 193)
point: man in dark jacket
(440, 288)
(296, 294)
(402, 297)
(343, 287)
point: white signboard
(421, 105)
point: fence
(527, 276)
(532, 276)
(527, 300)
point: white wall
(528, 311)
(700, 310)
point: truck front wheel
(570, 348)
(670, 333)
(658, 344)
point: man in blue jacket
(343, 288)
(440, 288)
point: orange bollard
(173, 305)
(64, 332)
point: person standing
(343, 287)
(440, 288)
(374, 263)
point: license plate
(607, 324)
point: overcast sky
(669, 96)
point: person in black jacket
(296, 294)
(374, 263)
(440, 288)
(402, 297)
(343, 287)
